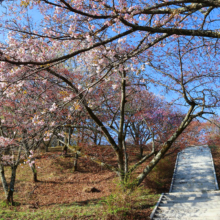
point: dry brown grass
(60, 188)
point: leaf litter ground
(61, 194)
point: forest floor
(63, 193)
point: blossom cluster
(31, 161)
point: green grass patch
(117, 204)
(73, 211)
(124, 204)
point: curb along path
(194, 191)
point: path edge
(213, 165)
(155, 208)
(174, 172)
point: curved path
(194, 190)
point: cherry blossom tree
(19, 136)
(81, 49)
(26, 119)
(151, 118)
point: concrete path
(194, 190)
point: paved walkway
(194, 190)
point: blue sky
(169, 96)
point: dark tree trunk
(8, 189)
(34, 171)
(95, 138)
(75, 162)
(65, 150)
(66, 142)
(141, 150)
(100, 140)
(9, 199)
(12, 184)
(35, 178)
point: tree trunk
(65, 141)
(8, 189)
(126, 157)
(65, 147)
(3, 179)
(120, 159)
(34, 171)
(9, 198)
(12, 184)
(125, 161)
(47, 148)
(47, 144)
(100, 140)
(65, 150)
(95, 138)
(75, 162)
(141, 150)
(121, 133)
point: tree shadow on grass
(60, 182)
(88, 202)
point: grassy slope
(60, 193)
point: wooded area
(130, 77)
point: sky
(169, 96)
